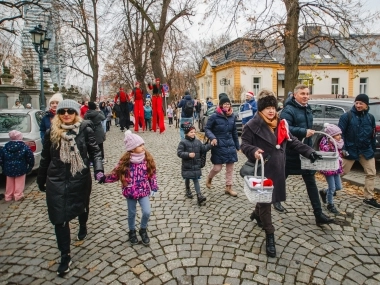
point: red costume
(157, 112)
(138, 110)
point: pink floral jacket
(326, 145)
(139, 184)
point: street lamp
(41, 45)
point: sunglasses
(68, 111)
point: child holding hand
(136, 171)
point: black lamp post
(41, 45)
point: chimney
(311, 31)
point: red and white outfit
(157, 110)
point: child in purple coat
(136, 171)
(332, 177)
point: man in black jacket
(300, 119)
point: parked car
(329, 111)
(203, 117)
(27, 121)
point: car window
(316, 110)
(333, 112)
(19, 122)
(39, 116)
(374, 109)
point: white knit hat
(57, 97)
(132, 141)
(69, 104)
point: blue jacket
(17, 159)
(299, 118)
(45, 124)
(147, 112)
(249, 105)
(223, 129)
(182, 104)
(358, 134)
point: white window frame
(334, 86)
(363, 87)
(256, 87)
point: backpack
(188, 108)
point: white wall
(323, 80)
(248, 73)
(373, 82)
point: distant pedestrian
(28, 106)
(332, 176)
(170, 114)
(124, 99)
(359, 134)
(116, 111)
(136, 171)
(18, 105)
(187, 111)
(84, 107)
(49, 115)
(249, 105)
(190, 150)
(16, 160)
(148, 115)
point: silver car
(27, 121)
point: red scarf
(227, 113)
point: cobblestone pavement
(213, 244)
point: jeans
(196, 185)
(312, 192)
(148, 124)
(145, 211)
(184, 120)
(334, 183)
(104, 125)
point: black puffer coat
(68, 196)
(191, 167)
(96, 117)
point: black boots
(332, 209)
(201, 199)
(270, 245)
(322, 219)
(133, 237)
(277, 206)
(188, 193)
(82, 232)
(323, 195)
(144, 236)
(257, 218)
(64, 266)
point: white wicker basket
(329, 161)
(260, 194)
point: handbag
(204, 156)
(248, 168)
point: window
(256, 84)
(334, 85)
(363, 85)
(316, 110)
(202, 91)
(333, 112)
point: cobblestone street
(213, 244)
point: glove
(314, 157)
(153, 193)
(42, 187)
(100, 177)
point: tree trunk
(155, 57)
(292, 49)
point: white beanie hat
(132, 141)
(57, 97)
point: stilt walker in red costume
(138, 110)
(158, 114)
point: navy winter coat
(191, 167)
(359, 135)
(223, 129)
(182, 105)
(299, 118)
(45, 124)
(17, 159)
(249, 105)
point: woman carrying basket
(265, 134)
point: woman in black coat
(266, 135)
(96, 117)
(65, 175)
(222, 132)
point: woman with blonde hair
(65, 176)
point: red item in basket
(258, 182)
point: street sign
(166, 87)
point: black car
(203, 117)
(329, 111)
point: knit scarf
(272, 124)
(69, 152)
(137, 157)
(227, 113)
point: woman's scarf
(137, 157)
(53, 111)
(272, 124)
(227, 112)
(69, 152)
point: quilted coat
(68, 195)
(299, 118)
(191, 167)
(16, 159)
(96, 117)
(223, 129)
(257, 135)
